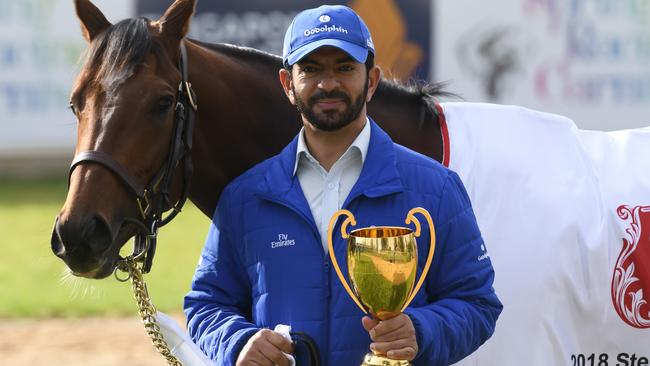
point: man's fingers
(257, 358)
(388, 326)
(406, 353)
(398, 350)
(395, 335)
(368, 323)
(384, 347)
(249, 362)
(272, 345)
(252, 357)
(280, 342)
(273, 355)
(265, 348)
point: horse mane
(425, 92)
(247, 54)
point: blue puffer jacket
(263, 263)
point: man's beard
(332, 120)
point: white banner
(586, 59)
(40, 54)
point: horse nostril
(81, 243)
(56, 243)
(98, 235)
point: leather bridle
(152, 199)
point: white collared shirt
(326, 191)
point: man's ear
(92, 20)
(287, 84)
(374, 78)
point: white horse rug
(565, 215)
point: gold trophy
(382, 262)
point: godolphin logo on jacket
(485, 254)
(283, 241)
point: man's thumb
(368, 323)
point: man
(265, 261)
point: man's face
(330, 88)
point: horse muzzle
(85, 245)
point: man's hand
(394, 338)
(265, 347)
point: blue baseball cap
(327, 25)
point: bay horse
(123, 99)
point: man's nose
(328, 82)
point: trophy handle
(410, 218)
(349, 220)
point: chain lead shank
(147, 310)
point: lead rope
(146, 309)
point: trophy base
(375, 360)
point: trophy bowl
(382, 264)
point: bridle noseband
(154, 197)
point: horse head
(126, 102)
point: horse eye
(73, 109)
(164, 104)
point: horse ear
(176, 20)
(92, 19)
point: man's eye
(346, 68)
(309, 69)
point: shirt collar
(379, 175)
(360, 143)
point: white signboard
(40, 54)
(586, 59)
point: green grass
(31, 282)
